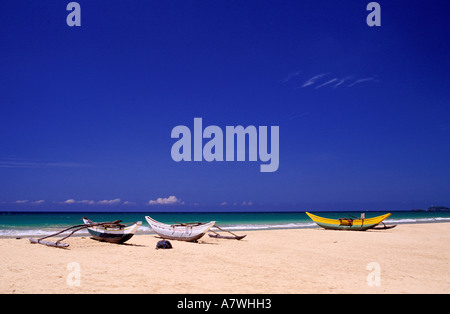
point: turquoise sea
(19, 224)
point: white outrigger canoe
(182, 232)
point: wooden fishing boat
(360, 224)
(113, 233)
(182, 232)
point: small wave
(9, 233)
(269, 226)
(144, 229)
(33, 232)
(417, 220)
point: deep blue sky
(86, 112)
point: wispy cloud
(313, 80)
(109, 202)
(341, 81)
(290, 76)
(29, 202)
(327, 83)
(91, 202)
(166, 201)
(320, 80)
(362, 80)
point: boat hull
(348, 224)
(181, 233)
(112, 235)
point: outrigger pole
(75, 229)
(217, 235)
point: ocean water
(20, 224)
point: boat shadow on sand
(193, 242)
(124, 244)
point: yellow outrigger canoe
(348, 223)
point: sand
(411, 258)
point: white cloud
(290, 76)
(223, 204)
(312, 80)
(249, 203)
(367, 79)
(326, 83)
(109, 202)
(335, 82)
(29, 202)
(165, 201)
(342, 81)
(91, 202)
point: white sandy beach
(411, 258)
